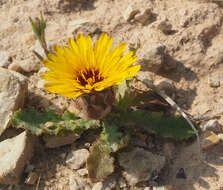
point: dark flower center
(89, 77)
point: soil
(194, 44)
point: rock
(86, 28)
(139, 165)
(165, 26)
(130, 13)
(166, 85)
(214, 81)
(41, 83)
(15, 153)
(57, 141)
(211, 125)
(77, 183)
(13, 91)
(77, 158)
(4, 59)
(25, 66)
(82, 172)
(209, 139)
(146, 16)
(32, 178)
(153, 59)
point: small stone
(87, 28)
(25, 66)
(77, 183)
(209, 139)
(130, 13)
(107, 184)
(153, 59)
(15, 153)
(82, 172)
(32, 178)
(42, 71)
(166, 85)
(140, 164)
(211, 125)
(4, 59)
(165, 26)
(49, 124)
(57, 141)
(214, 81)
(13, 91)
(77, 158)
(146, 16)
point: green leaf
(100, 163)
(50, 123)
(171, 126)
(112, 135)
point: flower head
(83, 68)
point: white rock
(77, 158)
(82, 172)
(139, 165)
(13, 91)
(14, 155)
(214, 81)
(32, 178)
(4, 59)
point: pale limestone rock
(77, 158)
(14, 155)
(13, 91)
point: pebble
(214, 81)
(146, 16)
(209, 139)
(211, 125)
(77, 158)
(165, 26)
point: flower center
(89, 77)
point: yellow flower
(82, 68)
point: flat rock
(14, 155)
(130, 13)
(13, 91)
(77, 158)
(139, 165)
(146, 16)
(57, 141)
